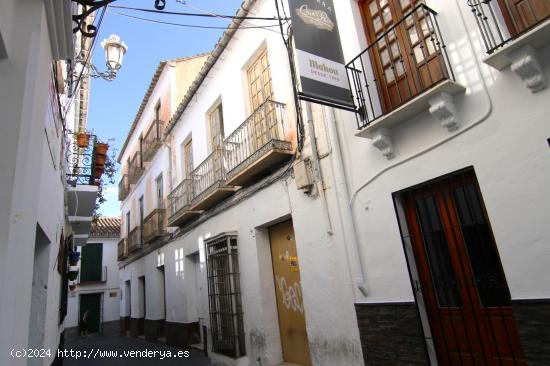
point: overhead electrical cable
(206, 15)
(188, 25)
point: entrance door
(460, 274)
(92, 304)
(521, 15)
(404, 49)
(292, 322)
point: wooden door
(521, 15)
(461, 278)
(404, 49)
(188, 158)
(91, 263)
(260, 91)
(290, 306)
(92, 304)
(216, 140)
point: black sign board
(319, 56)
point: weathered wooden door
(260, 91)
(404, 50)
(461, 278)
(523, 14)
(290, 306)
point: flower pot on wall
(82, 139)
(74, 257)
(98, 171)
(73, 275)
(101, 148)
(72, 287)
(99, 160)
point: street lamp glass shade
(114, 52)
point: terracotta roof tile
(106, 227)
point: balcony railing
(152, 140)
(135, 241)
(153, 225)
(492, 27)
(123, 187)
(210, 174)
(179, 201)
(135, 168)
(122, 249)
(260, 138)
(80, 157)
(407, 60)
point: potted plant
(72, 287)
(73, 274)
(82, 139)
(101, 148)
(98, 171)
(74, 257)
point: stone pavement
(117, 351)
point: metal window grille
(224, 295)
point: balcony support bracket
(381, 139)
(527, 67)
(443, 108)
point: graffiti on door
(291, 294)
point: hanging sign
(319, 54)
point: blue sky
(113, 105)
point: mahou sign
(319, 54)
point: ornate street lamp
(114, 52)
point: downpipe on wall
(318, 177)
(349, 226)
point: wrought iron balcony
(122, 249)
(123, 187)
(208, 181)
(404, 62)
(80, 157)
(135, 241)
(500, 23)
(135, 168)
(153, 225)
(258, 144)
(179, 204)
(153, 140)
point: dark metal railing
(153, 139)
(123, 187)
(135, 167)
(153, 225)
(180, 197)
(80, 158)
(224, 295)
(493, 29)
(263, 126)
(210, 172)
(406, 60)
(122, 249)
(135, 241)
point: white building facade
(409, 232)
(98, 290)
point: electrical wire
(187, 25)
(204, 14)
(88, 57)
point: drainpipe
(317, 167)
(349, 226)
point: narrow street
(117, 351)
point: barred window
(224, 295)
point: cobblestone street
(116, 351)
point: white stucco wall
(111, 305)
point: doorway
(521, 15)
(91, 303)
(456, 270)
(288, 292)
(405, 52)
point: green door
(91, 303)
(91, 264)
